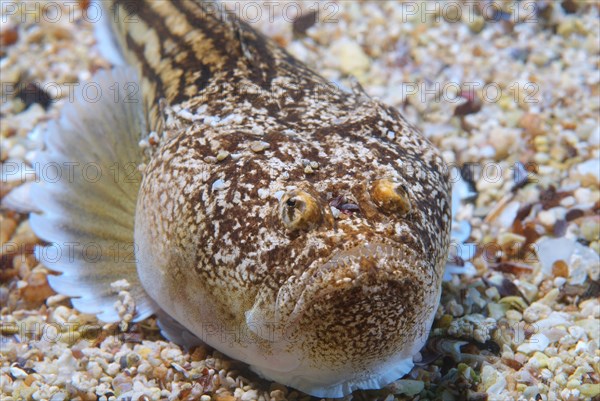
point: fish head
(327, 247)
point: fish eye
(299, 210)
(390, 196)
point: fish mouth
(369, 265)
(380, 253)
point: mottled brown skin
(225, 246)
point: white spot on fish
(279, 194)
(263, 193)
(219, 185)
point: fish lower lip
(372, 261)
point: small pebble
(351, 57)
(17, 373)
(537, 342)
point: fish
(250, 204)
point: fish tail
(177, 47)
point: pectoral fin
(86, 196)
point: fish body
(294, 226)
